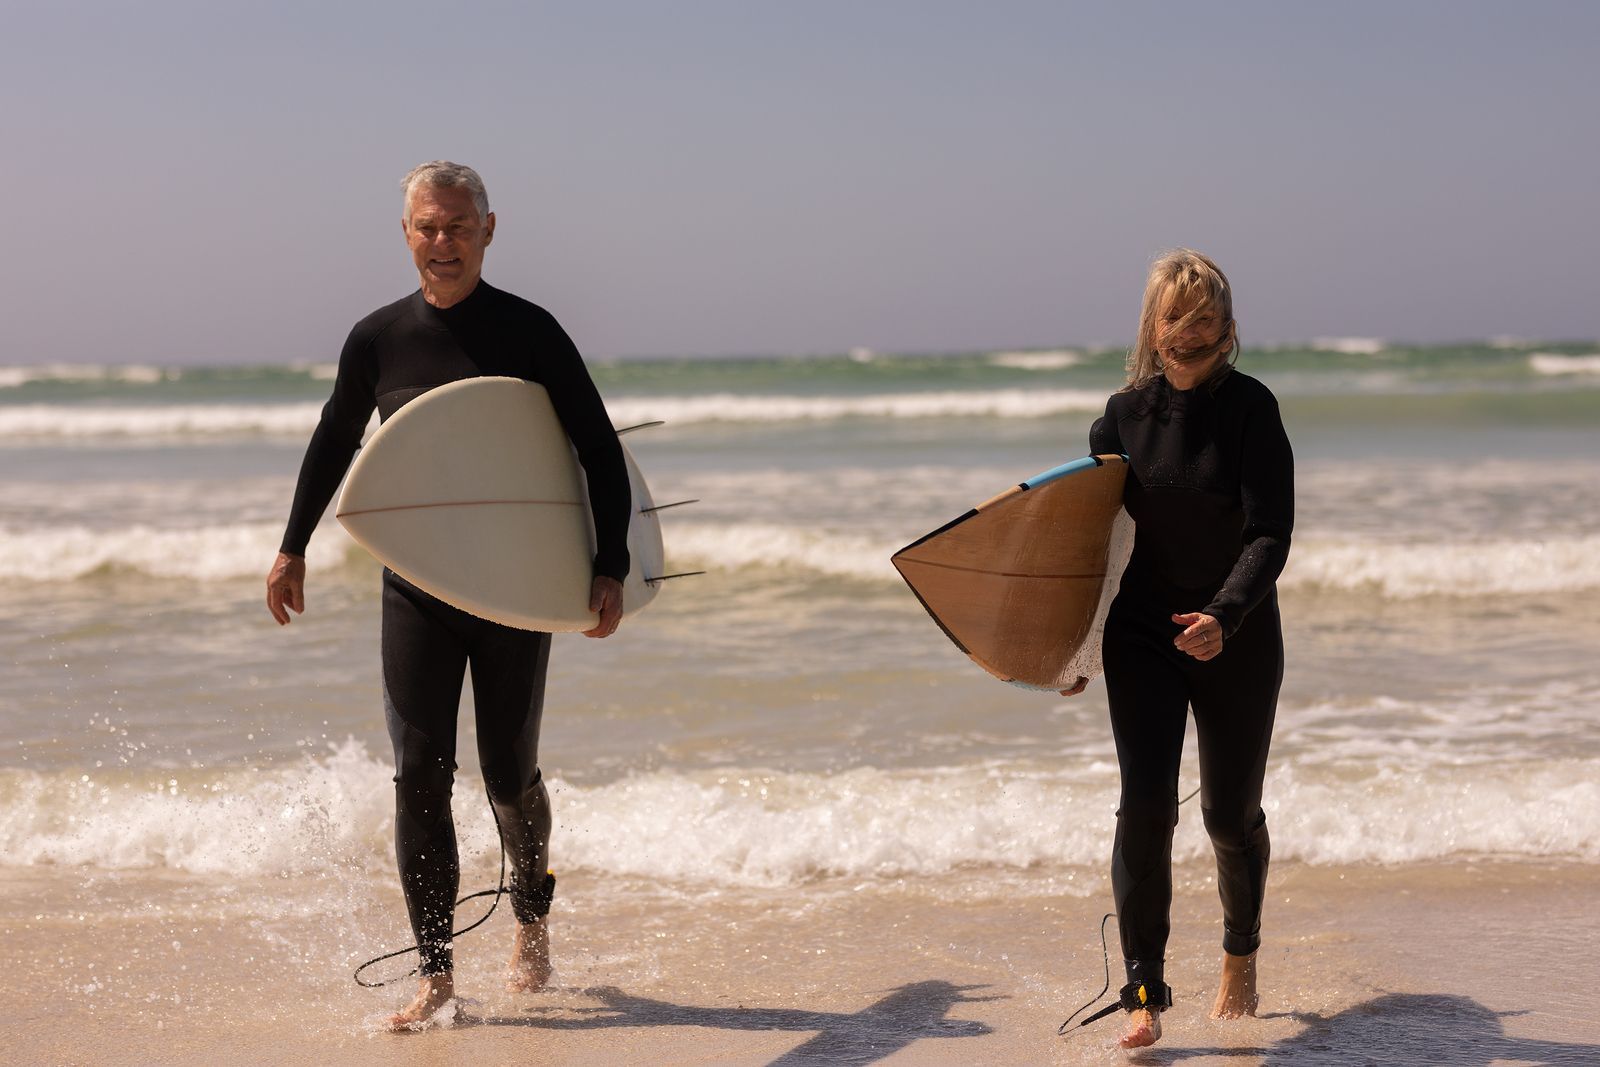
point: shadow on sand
(1397, 1029)
(908, 1014)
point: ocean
(791, 723)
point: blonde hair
(1186, 279)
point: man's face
(447, 240)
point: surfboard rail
(1020, 582)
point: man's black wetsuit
(1211, 491)
(393, 356)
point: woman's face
(1194, 339)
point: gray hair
(443, 174)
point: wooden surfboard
(1021, 582)
(473, 493)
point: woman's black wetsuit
(1211, 491)
(393, 356)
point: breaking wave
(1392, 570)
(79, 421)
(762, 827)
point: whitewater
(792, 715)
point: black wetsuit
(393, 356)
(1211, 491)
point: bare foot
(1144, 1028)
(1236, 992)
(433, 993)
(530, 958)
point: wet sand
(1452, 964)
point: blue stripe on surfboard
(1037, 480)
(1086, 463)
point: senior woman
(1210, 488)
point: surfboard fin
(669, 577)
(664, 507)
(641, 426)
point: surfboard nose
(1018, 582)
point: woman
(1210, 488)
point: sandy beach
(1361, 966)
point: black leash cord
(497, 892)
(1105, 954)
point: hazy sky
(217, 182)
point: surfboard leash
(1103, 1012)
(497, 892)
(1105, 956)
(500, 887)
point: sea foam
(1534, 566)
(1059, 359)
(133, 373)
(1554, 363)
(79, 421)
(763, 827)
(1391, 570)
(771, 546)
(200, 553)
(730, 407)
(1349, 346)
(1475, 568)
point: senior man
(458, 326)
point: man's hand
(286, 587)
(605, 597)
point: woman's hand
(1201, 637)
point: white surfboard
(473, 493)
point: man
(458, 326)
